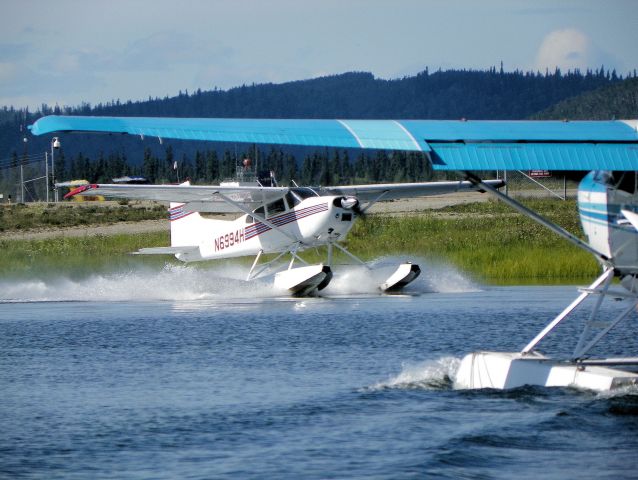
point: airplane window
(625, 181)
(303, 193)
(603, 176)
(276, 207)
(261, 211)
(249, 219)
(293, 199)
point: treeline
(617, 101)
(451, 94)
(491, 94)
(329, 167)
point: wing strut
(373, 201)
(536, 217)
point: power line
(21, 160)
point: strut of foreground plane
(287, 220)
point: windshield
(296, 195)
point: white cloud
(73, 51)
(567, 49)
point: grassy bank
(21, 217)
(486, 239)
(77, 255)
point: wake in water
(435, 278)
(171, 283)
(428, 375)
(440, 374)
(220, 281)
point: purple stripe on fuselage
(258, 228)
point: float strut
(530, 346)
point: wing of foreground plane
(450, 145)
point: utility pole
(21, 183)
(24, 160)
(46, 173)
(55, 145)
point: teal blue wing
(450, 145)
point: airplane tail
(185, 226)
(188, 228)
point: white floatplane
(275, 220)
(608, 206)
(607, 198)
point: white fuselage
(602, 196)
(279, 227)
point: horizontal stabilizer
(166, 250)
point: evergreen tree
(212, 167)
(167, 173)
(336, 168)
(360, 171)
(200, 167)
(149, 166)
(227, 168)
(306, 171)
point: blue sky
(67, 52)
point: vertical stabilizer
(185, 226)
(189, 228)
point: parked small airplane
(607, 199)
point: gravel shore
(406, 206)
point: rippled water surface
(177, 374)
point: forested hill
(619, 101)
(452, 94)
(444, 95)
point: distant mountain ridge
(443, 94)
(617, 101)
(452, 94)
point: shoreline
(402, 207)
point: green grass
(21, 217)
(77, 255)
(487, 240)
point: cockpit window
(278, 206)
(603, 176)
(303, 192)
(260, 212)
(293, 199)
(618, 179)
(625, 181)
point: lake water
(178, 374)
